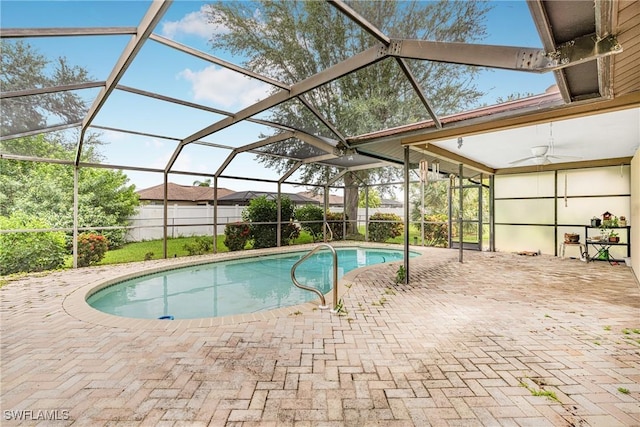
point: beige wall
(634, 221)
(528, 207)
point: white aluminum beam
(155, 12)
(361, 21)
(210, 58)
(348, 66)
(581, 49)
(52, 89)
(15, 33)
(39, 131)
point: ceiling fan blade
(564, 157)
(526, 159)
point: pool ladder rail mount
(323, 304)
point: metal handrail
(328, 227)
(323, 304)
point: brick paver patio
(499, 340)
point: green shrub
(263, 210)
(389, 226)
(311, 213)
(436, 230)
(200, 246)
(336, 223)
(236, 236)
(91, 249)
(27, 252)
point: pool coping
(75, 302)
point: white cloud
(223, 87)
(153, 143)
(194, 23)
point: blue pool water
(232, 287)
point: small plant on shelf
(613, 237)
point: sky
(158, 68)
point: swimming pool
(239, 286)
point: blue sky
(169, 72)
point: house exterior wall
(533, 211)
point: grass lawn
(137, 251)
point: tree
(24, 68)
(45, 190)
(263, 214)
(205, 183)
(374, 199)
(291, 41)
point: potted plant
(613, 237)
(595, 221)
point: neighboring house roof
(390, 203)
(339, 201)
(244, 197)
(182, 193)
(333, 199)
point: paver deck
(499, 340)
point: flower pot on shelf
(615, 239)
(571, 238)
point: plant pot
(571, 238)
(614, 239)
(596, 222)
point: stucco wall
(534, 210)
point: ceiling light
(539, 150)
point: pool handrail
(328, 227)
(323, 304)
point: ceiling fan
(543, 154)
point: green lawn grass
(137, 251)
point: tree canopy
(25, 68)
(45, 190)
(292, 40)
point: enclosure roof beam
(210, 58)
(369, 166)
(248, 147)
(540, 18)
(579, 50)
(337, 177)
(418, 90)
(324, 121)
(361, 21)
(290, 172)
(267, 141)
(14, 33)
(51, 89)
(315, 141)
(40, 130)
(155, 12)
(319, 158)
(348, 66)
(443, 154)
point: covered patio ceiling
(591, 115)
